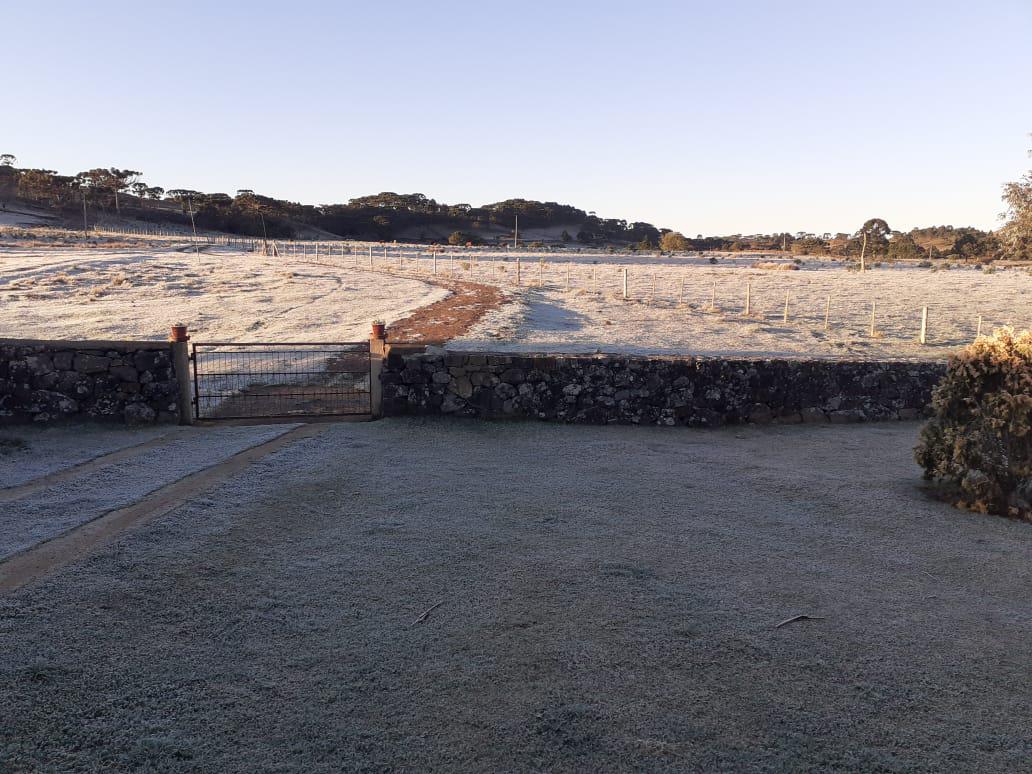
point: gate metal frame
(365, 397)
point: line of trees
(390, 215)
(380, 216)
(874, 240)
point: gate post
(181, 363)
(377, 352)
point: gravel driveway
(600, 598)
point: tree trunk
(863, 253)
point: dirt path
(34, 563)
(70, 495)
(449, 318)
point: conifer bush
(979, 440)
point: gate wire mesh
(245, 381)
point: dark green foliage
(903, 247)
(980, 437)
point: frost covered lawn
(221, 294)
(419, 595)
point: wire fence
(903, 303)
(896, 303)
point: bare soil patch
(451, 317)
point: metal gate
(247, 381)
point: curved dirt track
(449, 318)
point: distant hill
(112, 192)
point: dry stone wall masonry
(620, 389)
(46, 381)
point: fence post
(377, 353)
(924, 324)
(179, 342)
(624, 283)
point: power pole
(516, 233)
(189, 203)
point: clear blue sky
(711, 117)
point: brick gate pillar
(377, 352)
(181, 363)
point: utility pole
(189, 203)
(516, 233)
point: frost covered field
(572, 302)
(220, 293)
(688, 305)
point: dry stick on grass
(425, 613)
(924, 325)
(784, 317)
(874, 307)
(795, 618)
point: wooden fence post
(924, 324)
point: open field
(693, 304)
(686, 304)
(221, 293)
(612, 604)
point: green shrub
(979, 441)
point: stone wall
(44, 381)
(639, 390)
